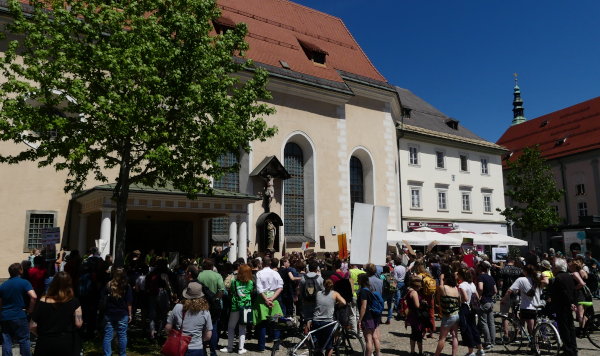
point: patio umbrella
(501, 239)
(423, 236)
(463, 234)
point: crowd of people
(452, 293)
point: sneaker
(470, 354)
(480, 353)
(242, 351)
(488, 347)
(226, 350)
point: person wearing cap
(192, 317)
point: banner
(342, 247)
(50, 237)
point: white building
(449, 177)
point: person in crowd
(416, 303)
(73, 268)
(389, 291)
(33, 254)
(214, 282)
(563, 303)
(400, 275)
(529, 288)
(37, 274)
(310, 284)
(448, 298)
(12, 315)
(91, 281)
(116, 300)
(375, 283)
(192, 317)
(158, 296)
(346, 314)
(268, 286)
(468, 329)
(56, 318)
(241, 300)
(290, 282)
(580, 276)
(368, 322)
(327, 299)
(427, 292)
(355, 271)
(486, 288)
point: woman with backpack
(367, 319)
(116, 299)
(429, 286)
(241, 304)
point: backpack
(311, 287)
(390, 284)
(375, 303)
(429, 285)
(215, 307)
(344, 287)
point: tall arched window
(230, 182)
(357, 186)
(293, 190)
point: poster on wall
(499, 254)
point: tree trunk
(121, 194)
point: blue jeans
(110, 325)
(261, 328)
(19, 330)
(399, 294)
(197, 352)
(214, 340)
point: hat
(193, 291)
(546, 264)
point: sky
(460, 56)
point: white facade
(439, 186)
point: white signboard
(368, 243)
(499, 254)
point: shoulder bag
(177, 343)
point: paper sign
(51, 236)
(342, 247)
(499, 254)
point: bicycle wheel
(508, 333)
(350, 343)
(593, 330)
(546, 340)
(290, 346)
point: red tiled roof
(562, 133)
(276, 28)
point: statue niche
(267, 230)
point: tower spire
(518, 110)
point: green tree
(531, 188)
(143, 88)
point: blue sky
(460, 55)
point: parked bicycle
(592, 325)
(294, 342)
(513, 335)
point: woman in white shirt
(468, 326)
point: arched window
(293, 191)
(230, 182)
(357, 186)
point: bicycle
(545, 339)
(293, 341)
(592, 326)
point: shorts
(369, 324)
(449, 321)
(527, 314)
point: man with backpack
(310, 284)
(390, 285)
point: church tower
(518, 110)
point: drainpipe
(564, 187)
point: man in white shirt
(399, 274)
(268, 285)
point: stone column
(232, 237)
(205, 236)
(242, 244)
(82, 242)
(105, 237)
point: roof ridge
(309, 8)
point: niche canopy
(270, 167)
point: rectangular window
(464, 163)
(484, 166)
(580, 189)
(36, 221)
(582, 209)
(466, 201)
(442, 203)
(439, 158)
(487, 203)
(415, 198)
(413, 155)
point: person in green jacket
(241, 303)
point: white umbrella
(423, 236)
(501, 239)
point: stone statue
(271, 231)
(268, 194)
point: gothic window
(357, 186)
(293, 190)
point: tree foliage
(531, 188)
(144, 88)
